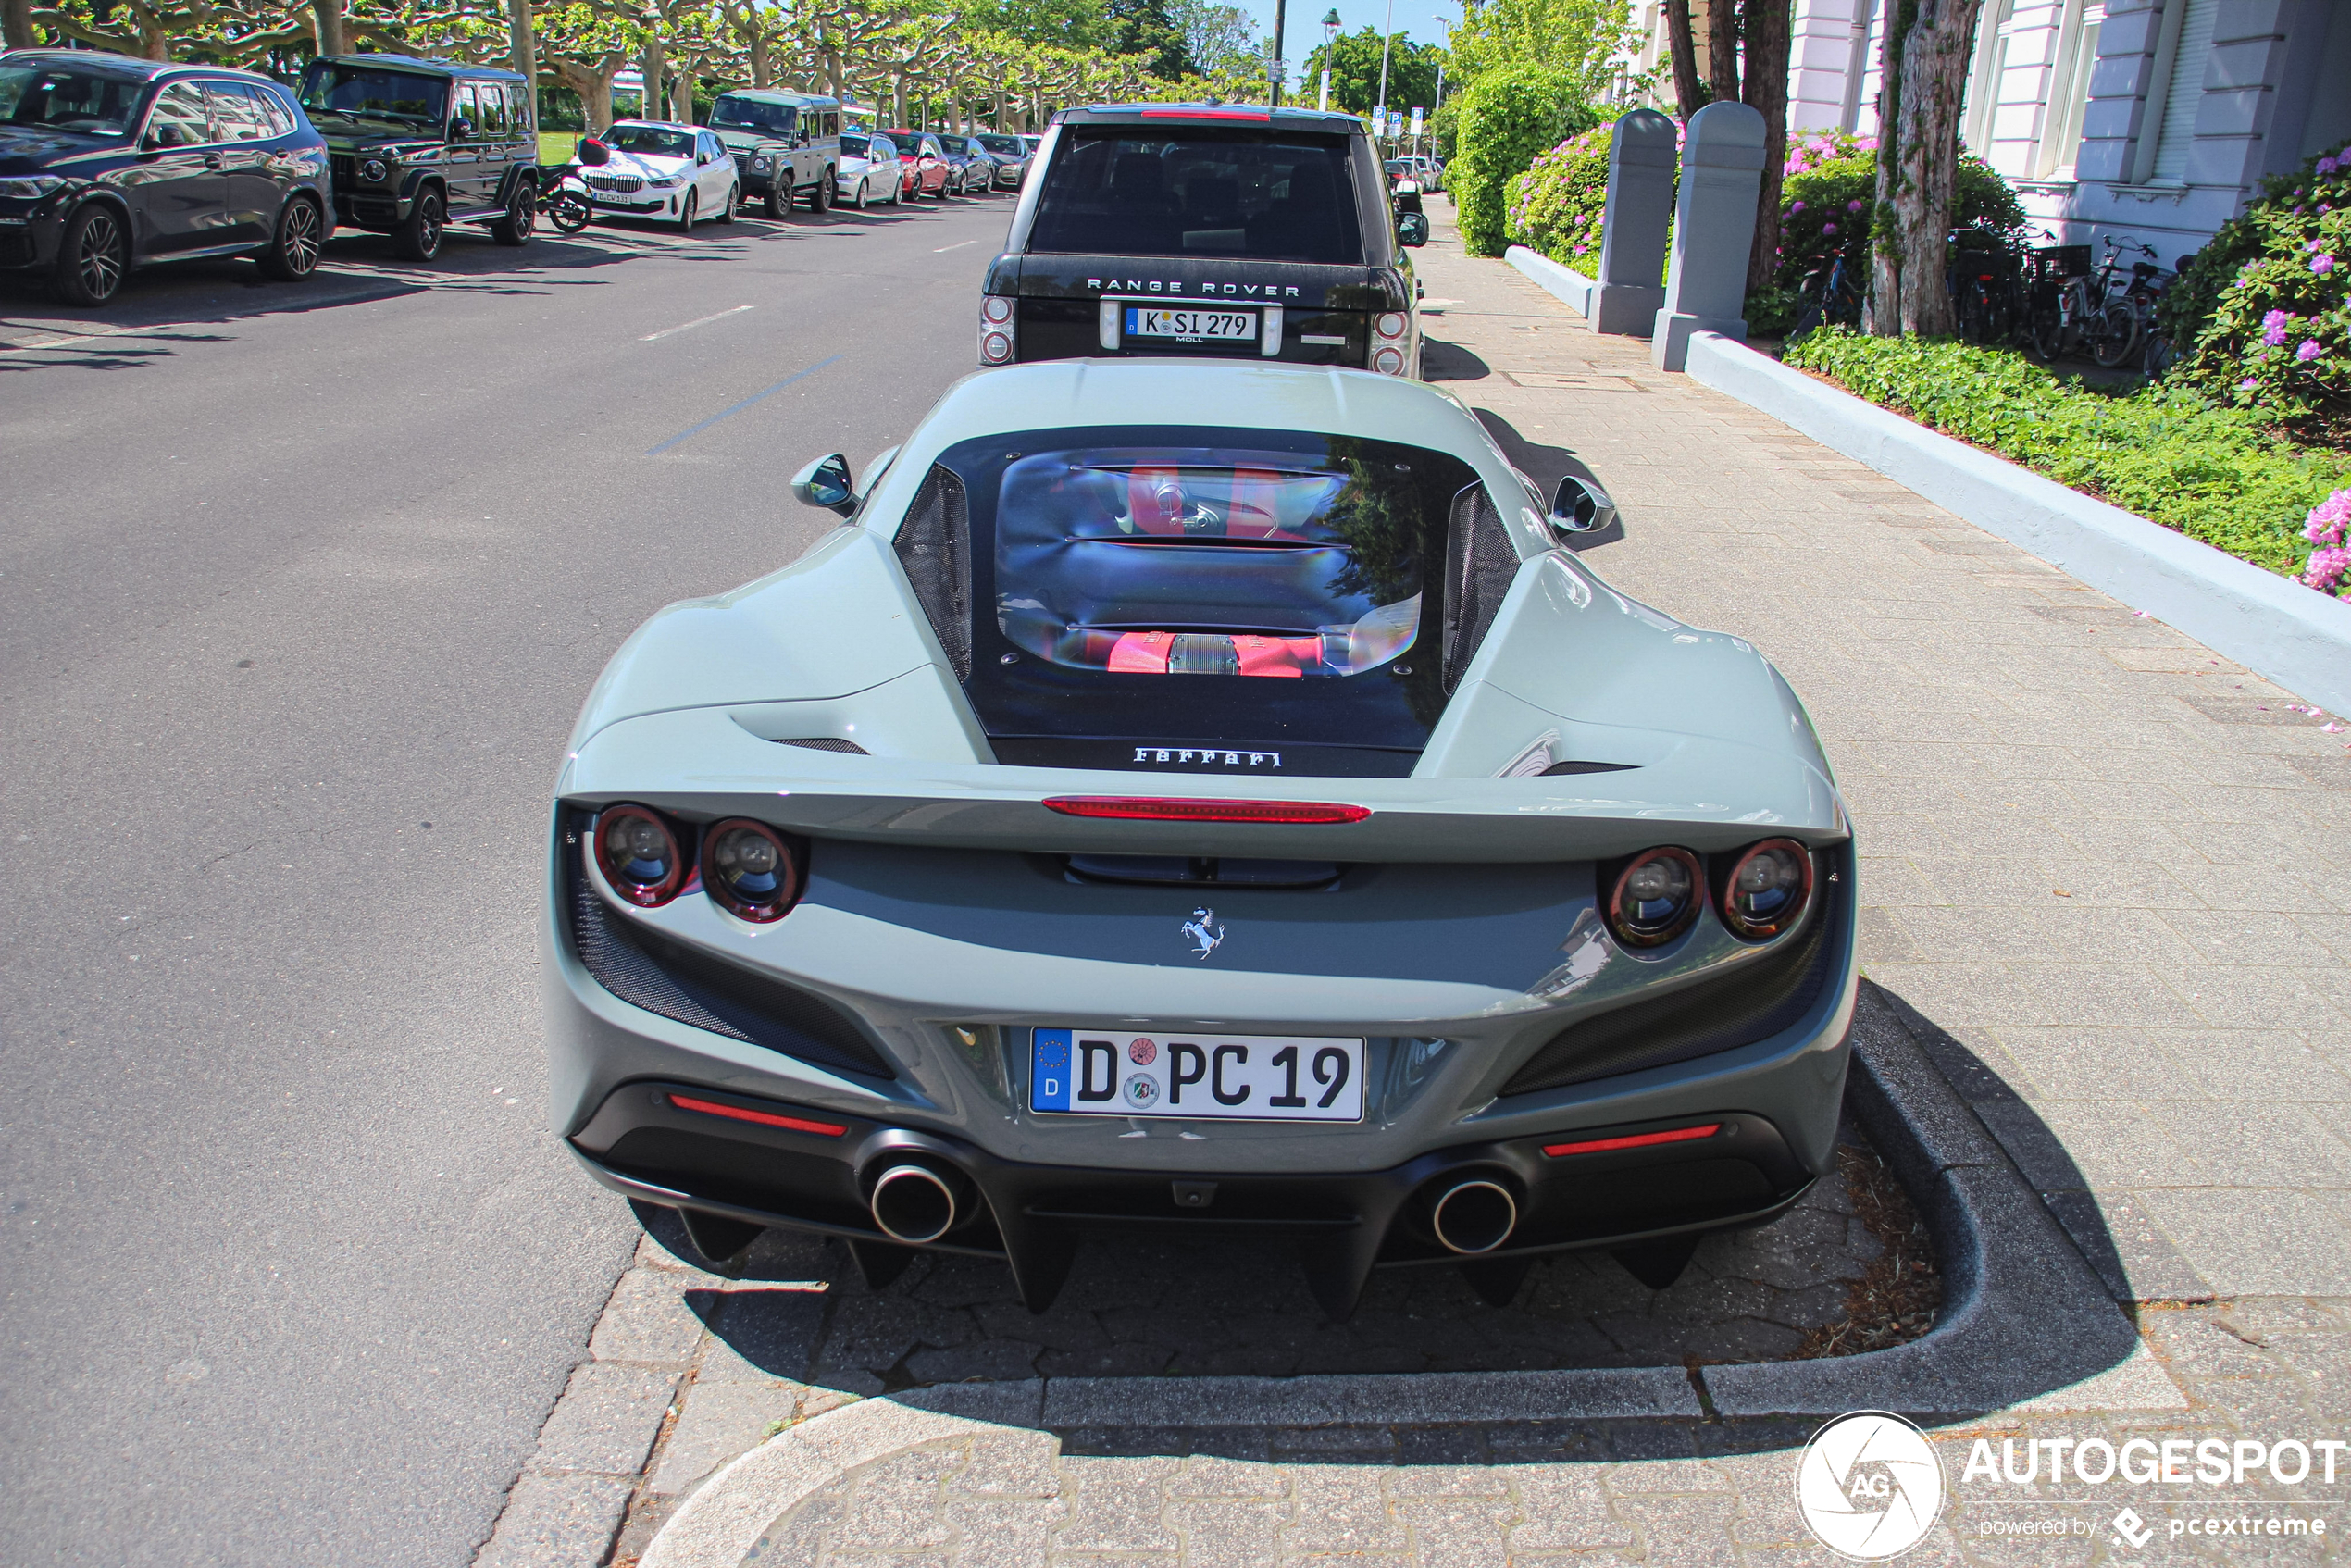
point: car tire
(860, 195)
(778, 201)
(734, 199)
(292, 252)
(521, 219)
(417, 237)
(820, 196)
(95, 255)
(686, 214)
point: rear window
(1008, 145)
(852, 146)
(1246, 195)
(1208, 560)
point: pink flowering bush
(2329, 560)
(2263, 313)
(1557, 205)
(1835, 176)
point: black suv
(1193, 228)
(108, 163)
(420, 144)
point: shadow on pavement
(1442, 361)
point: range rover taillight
(998, 330)
(1390, 330)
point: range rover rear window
(1241, 195)
(1228, 587)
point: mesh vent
(1479, 565)
(934, 546)
(1721, 1015)
(828, 743)
(648, 970)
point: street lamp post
(1330, 48)
(1274, 66)
(1387, 37)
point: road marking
(673, 331)
(956, 247)
(730, 413)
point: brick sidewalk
(2100, 863)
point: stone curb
(1572, 288)
(2269, 623)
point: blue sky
(1423, 22)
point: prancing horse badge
(1204, 932)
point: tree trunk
(1688, 96)
(1722, 50)
(650, 65)
(1934, 64)
(1766, 91)
(1885, 265)
(16, 25)
(326, 21)
(682, 94)
(762, 73)
(898, 98)
(525, 48)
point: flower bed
(2215, 473)
(1556, 205)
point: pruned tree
(584, 48)
(1924, 75)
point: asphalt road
(300, 589)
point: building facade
(2141, 120)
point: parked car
(973, 169)
(1186, 229)
(416, 145)
(1248, 817)
(1010, 153)
(1431, 176)
(786, 146)
(662, 169)
(107, 164)
(868, 169)
(922, 163)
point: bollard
(1640, 204)
(1713, 231)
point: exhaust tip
(1474, 1216)
(914, 1204)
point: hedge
(1507, 116)
(2211, 471)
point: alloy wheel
(98, 260)
(299, 248)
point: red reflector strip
(764, 1118)
(1139, 808)
(1205, 114)
(1638, 1140)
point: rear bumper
(642, 1141)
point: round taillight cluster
(995, 348)
(1768, 887)
(747, 868)
(996, 309)
(1656, 895)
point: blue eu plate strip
(1133, 324)
(1049, 1069)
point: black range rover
(1185, 230)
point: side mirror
(1411, 228)
(1580, 507)
(594, 154)
(826, 483)
(702, 159)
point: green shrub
(1556, 205)
(1507, 116)
(2207, 469)
(2263, 312)
(1829, 182)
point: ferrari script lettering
(1210, 755)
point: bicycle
(1985, 291)
(2077, 308)
(1832, 295)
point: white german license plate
(1193, 1073)
(1146, 321)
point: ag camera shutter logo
(1869, 1485)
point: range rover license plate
(1190, 325)
(1196, 1075)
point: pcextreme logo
(1869, 1485)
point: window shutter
(2186, 92)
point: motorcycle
(563, 189)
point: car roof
(1065, 393)
(781, 96)
(1212, 114)
(416, 63)
(108, 62)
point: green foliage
(2211, 471)
(1556, 205)
(1072, 24)
(1830, 182)
(1507, 117)
(2276, 278)
(1354, 66)
(1220, 39)
(1147, 27)
(1574, 39)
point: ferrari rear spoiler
(825, 787)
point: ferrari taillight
(749, 869)
(636, 850)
